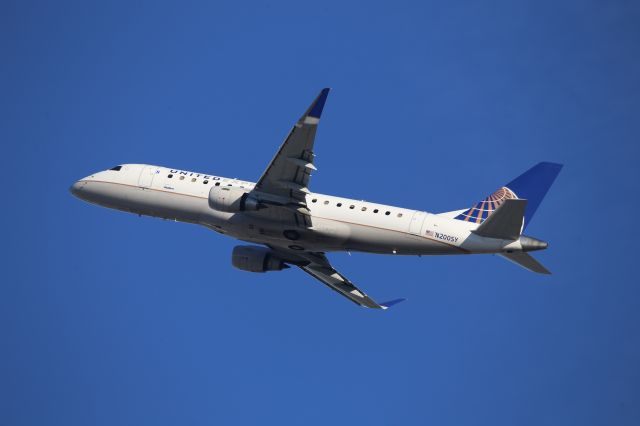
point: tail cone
(532, 244)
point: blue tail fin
(532, 185)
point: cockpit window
(116, 168)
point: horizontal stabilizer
(506, 222)
(526, 261)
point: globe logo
(483, 209)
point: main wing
(317, 265)
(286, 182)
(288, 173)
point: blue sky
(107, 318)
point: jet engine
(256, 259)
(231, 199)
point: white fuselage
(337, 224)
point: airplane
(288, 225)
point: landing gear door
(146, 176)
(416, 222)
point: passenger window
(314, 200)
(326, 202)
(399, 214)
(205, 182)
(170, 176)
(352, 207)
(181, 177)
(387, 213)
(375, 211)
(217, 183)
(364, 209)
(339, 204)
(193, 179)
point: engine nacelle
(256, 259)
(231, 199)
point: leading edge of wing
(327, 275)
(317, 265)
(288, 172)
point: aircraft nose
(76, 188)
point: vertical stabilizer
(532, 186)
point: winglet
(316, 108)
(390, 303)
